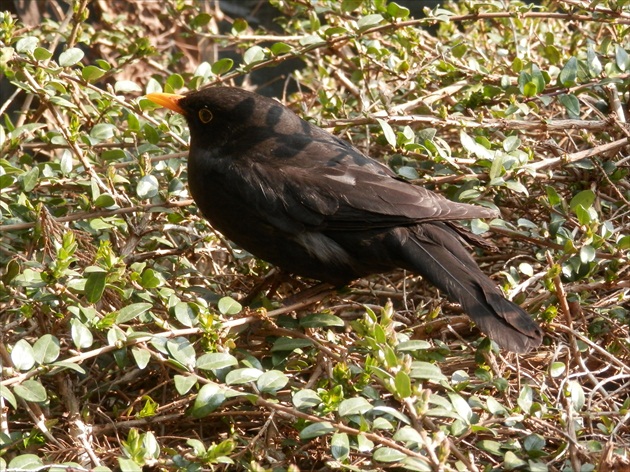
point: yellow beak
(168, 100)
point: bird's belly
(309, 254)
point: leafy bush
(132, 334)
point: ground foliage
(127, 336)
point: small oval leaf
(70, 57)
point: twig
(100, 213)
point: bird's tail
(435, 252)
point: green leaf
(387, 410)
(150, 133)
(530, 89)
(495, 407)
(46, 349)
(552, 54)
(350, 5)
(229, 306)
(553, 196)
(30, 179)
(459, 50)
(216, 360)
(42, 54)
(517, 65)
(516, 186)
(27, 44)
(141, 356)
(321, 320)
(126, 86)
(388, 454)
(556, 369)
(222, 66)
(492, 447)
(22, 355)
(102, 131)
(92, 73)
(512, 462)
(426, 370)
(408, 172)
(185, 314)
(340, 446)
(526, 269)
(148, 187)
(272, 381)
(568, 74)
(397, 11)
(403, 384)
(241, 376)
(575, 393)
(593, 63)
(306, 398)
(95, 285)
(316, 429)
(128, 465)
(25, 462)
(210, 397)
(388, 132)
(413, 346)
(354, 406)
(151, 279)
(587, 254)
(111, 155)
(8, 396)
(254, 55)
(130, 312)
(585, 199)
(183, 383)
(461, 406)
(474, 147)
(31, 391)
(69, 365)
(173, 83)
(104, 201)
(182, 351)
(81, 335)
(65, 163)
(583, 215)
(534, 442)
(290, 344)
(525, 398)
(410, 436)
(280, 48)
(239, 25)
(202, 19)
(478, 226)
(367, 21)
(538, 79)
(622, 58)
(70, 57)
(511, 143)
(571, 103)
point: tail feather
(435, 252)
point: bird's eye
(205, 115)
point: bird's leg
(270, 283)
(310, 295)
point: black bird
(296, 196)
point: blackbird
(298, 197)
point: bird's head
(218, 115)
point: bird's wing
(343, 190)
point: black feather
(298, 197)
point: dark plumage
(298, 197)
